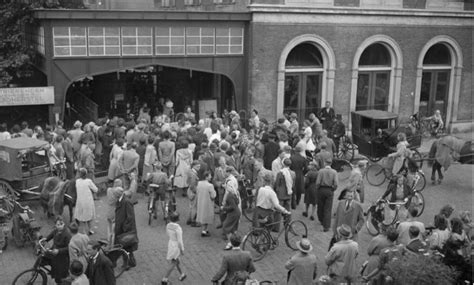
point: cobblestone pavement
(203, 255)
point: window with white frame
(167, 3)
(39, 40)
(137, 41)
(200, 40)
(170, 40)
(69, 41)
(229, 40)
(103, 41)
(192, 2)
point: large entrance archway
(305, 75)
(439, 78)
(124, 92)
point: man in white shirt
(267, 202)
(277, 163)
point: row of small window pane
(116, 41)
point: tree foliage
(16, 56)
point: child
(77, 273)
(175, 248)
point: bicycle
(170, 202)
(38, 274)
(259, 240)
(377, 174)
(119, 257)
(248, 197)
(152, 202)
(379, 212)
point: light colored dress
(399, 156)
(175, 243)
(184, 157)
(205, 205)
(85, 209)
(115, 155)
(78, 248)
(151, 157)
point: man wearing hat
(302, 268)
(326, 184)
(338, 130)
(341, 258)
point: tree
(16, 56)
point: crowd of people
(207, 161)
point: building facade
(404, 56)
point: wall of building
(269, 40)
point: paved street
(203, 255)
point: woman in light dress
(115, 154)
(205, 202)
(402, 152)
(84, 211)
(175, 248)
(184, 157)
(151, 157)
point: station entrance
(126, 91)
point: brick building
(276, 56)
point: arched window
(303, 80)
(373, 83)
(435, 80)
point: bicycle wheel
(119, 258)
(372, 224)
(417, 201)
(249, 208)
(294, 232)
(31, 276)
(418, 158)
(389, 216)
(421, 184)
(375, 175)
(257, 242)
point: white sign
(27, 96)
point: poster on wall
(206, 106)
(27, 96)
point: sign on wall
(27, 96)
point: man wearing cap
(323, 155)
(338, 130)
(302, 268)
(349, 212)
(356, 181)
(326, 184)
(341, 258)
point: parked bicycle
(260, 240)
(120, 257)
(38, 274)
(377, 173)
(170, 201)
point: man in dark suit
(235, 265)
(327, 115)
(270, 151)
(299, 165)
(125, 227)
(100, 269)
(349, 212)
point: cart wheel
(6, 189)
(376, 175)
(346, 150)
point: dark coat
(299, 165)
(237, 260)
(270, 153)
(60, 262)
(280, 186)
(125, 221)
(101, 272)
